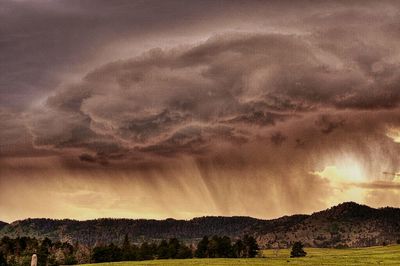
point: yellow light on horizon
(341, 176)
(345, 173)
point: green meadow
(388, 255)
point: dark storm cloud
(278, 138)
(179, 99)
(150, 99)
(44, 42)
(329, 124)
(195, 140)
(258, 118)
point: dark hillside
(347, 224)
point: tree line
(106, 231)
(18, 251)
(171, 249)
(214, 247)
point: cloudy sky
(158, 109)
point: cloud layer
(231, 89)
(270, 115)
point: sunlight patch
(342, 178)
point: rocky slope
(346, 225)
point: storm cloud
(233, 88)
(298, 101)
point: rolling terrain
(345, 225)
(389, 255)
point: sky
(156, 109)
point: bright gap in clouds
(345, 173)
(342, 176)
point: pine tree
(297, 250)
(3, 261)
(202, 248)
(126, 248)
(251, 246)
(162, 250)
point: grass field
(389, 255)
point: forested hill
(102, 231)
(348, 224)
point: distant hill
(347, 224)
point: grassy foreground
(389, 255)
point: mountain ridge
(345, 225)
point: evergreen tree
(107, 253)
(202, 248)
(173, 248)
(126, 245)
(184, 252)
(212, 247)
(162, 250)
(297, 250)
(238, 249)
(3, 261)
(146, 251)
(126, 249)
(43, 253)
(251, 246)
(225, 247)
